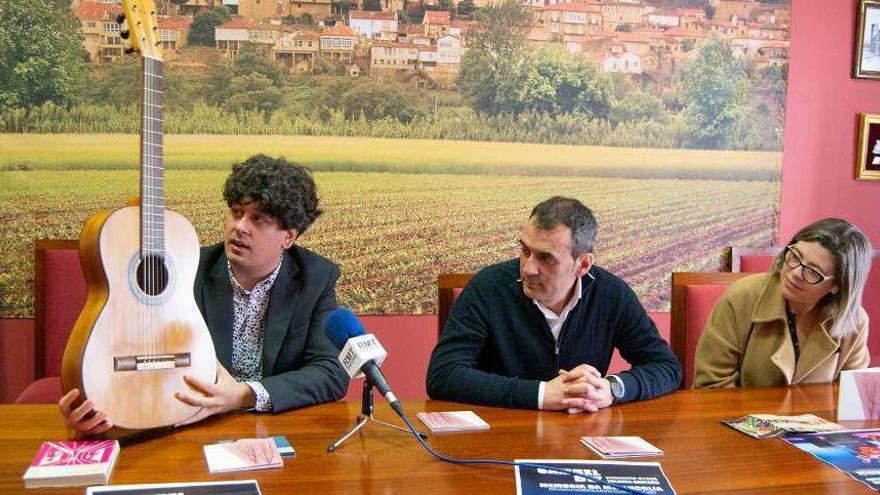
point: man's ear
(583, 264)
(290, 236)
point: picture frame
(868, 156)
(866, 64)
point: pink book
(72, 463)
(453, 421)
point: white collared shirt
(556, 321)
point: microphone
(361, 353)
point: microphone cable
(453, 460)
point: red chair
(59, 295)
(760, 260)
(693, 298)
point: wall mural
(431, 128)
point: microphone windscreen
(342, 324)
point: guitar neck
(152, 166)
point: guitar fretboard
(152, 177)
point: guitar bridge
(152, 362)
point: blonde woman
(801, 322)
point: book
(247, 487)
(72, 463)
(241, 455)
(558, 476)
(859, 395)
(452, 421)
(771, 425)
(616, 447)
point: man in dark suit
(264, 300)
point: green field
(408, 209)
(120, 151)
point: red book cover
(72, 463)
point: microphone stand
(366, 416)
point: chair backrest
(752, 260)
(449, 286)
(693, 297)
(59, 296)
(760, 259)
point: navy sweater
(496, 347)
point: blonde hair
(852, 256)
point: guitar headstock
(143, 27)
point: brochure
(617, 447)
(772, 425)
(560, 476)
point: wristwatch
(617, 388)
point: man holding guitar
(264, 299)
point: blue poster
(855, 452)
(560, 476)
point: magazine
(772, 425)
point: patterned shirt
(249, 324)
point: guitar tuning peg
(124, 34)
(120, 18)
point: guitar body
(140, 330)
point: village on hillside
(624, 36)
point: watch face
(616, 387)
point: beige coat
(746, 342)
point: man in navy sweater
(539, 332)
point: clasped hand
(581, 389)
(213, 398)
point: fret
(152, 170)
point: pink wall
(821, 124)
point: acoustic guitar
(140, 330)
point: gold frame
(858, 72)
(866, 120)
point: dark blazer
(300, 366)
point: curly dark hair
(284, 190)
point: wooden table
(701, 455)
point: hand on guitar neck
(214, 398)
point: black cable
(453, 460)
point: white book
(453, 421)
(242, 455)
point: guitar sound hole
(152, 275)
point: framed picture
(867, 52)
(868, 164)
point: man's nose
(530, 266)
